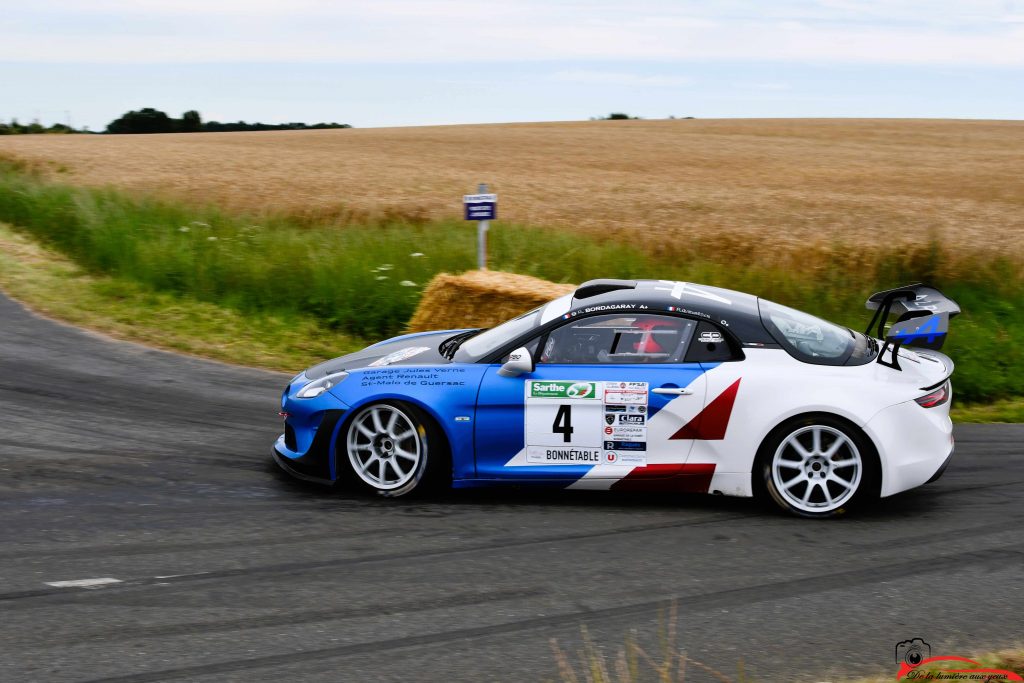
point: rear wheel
(393, 448)
(817, 466)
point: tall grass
(365, 279)
(632, 663)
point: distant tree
(217, 126)
(154, 121)
(147, 120)
(15, 128)
(191, 122)
(618, 116)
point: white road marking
(178, 576)
(83, 583)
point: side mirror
(519, 362)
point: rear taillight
(935, 398)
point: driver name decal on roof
(570, 422)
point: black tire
(393, 449)
(831, 468)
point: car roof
(736, 311)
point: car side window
(710, 345)
(618, 339)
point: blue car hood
(409, 349)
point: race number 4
(563, 422)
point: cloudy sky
(411, 62)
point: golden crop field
(770, 184)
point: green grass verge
(53, 285)
(365, 280)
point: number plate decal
(572, 422)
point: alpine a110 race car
(643, 385)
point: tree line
(149, 120)
(15, 128)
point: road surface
(146, 476)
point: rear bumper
(914, 444)
(942, 468)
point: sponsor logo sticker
(707, 337)
(634, 459)
(627, 432)
(625, 446)
(550, 455)
(562, 389)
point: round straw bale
(480, 298)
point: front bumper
(288, 465)
(315, 435)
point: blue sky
(411, 62)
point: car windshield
(480, 345)
(812, 339)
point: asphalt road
(119, 462)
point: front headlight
(319, 386)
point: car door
(610, 395)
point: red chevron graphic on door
(710, 424)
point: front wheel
(817, 466)
(390, 448)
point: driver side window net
(618, 339)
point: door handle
(673, 391)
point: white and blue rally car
(646, 385)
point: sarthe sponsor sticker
(563, 389)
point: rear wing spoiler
(922, 321)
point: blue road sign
(480, 207)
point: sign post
(483, 208)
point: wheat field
(772, 187)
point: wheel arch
(423, 409)
(873, 455)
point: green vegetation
(364, 280)
(149, 120)
(55, 286)
(615, 116)
(34, 128)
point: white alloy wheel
(816, 469)
(386, 448)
